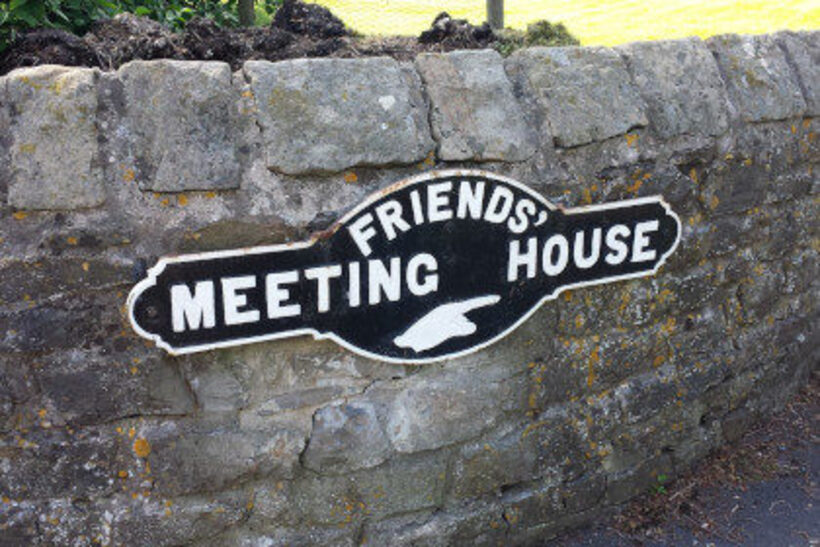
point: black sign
(433, 267)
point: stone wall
(106, 439)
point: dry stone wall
(106, 439)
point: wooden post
(246, 13)
(495, 13)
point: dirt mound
(297, 30)
(127, 37)
(310, 20)
(47, 47)
(457, 33)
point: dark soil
(760, 490)
(297, 30)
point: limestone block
(760, 81)
(803, 52)
(182, 123)
(54, 152)
(430, 412)
(681, 84)
(187, 457)
(475, 115)
(323, 115)
(585, 92)
(346, 437)
(400, 485)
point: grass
(593, 22)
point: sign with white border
(433, 267)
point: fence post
(495, 13)
(246, 13)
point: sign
(432, 267)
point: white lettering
(415, 203)
(555, 267)
(389, 215)
(276, 295)
(523, 210)
(470, 200)
(517, 260)
(430, 282)
(639, 252)
(354, 291)
(438, 202)
(362, 232)
(232, 300)
(381, 281)
(618, 249)
(498, 208)
(197, 309)
(323, 275)
(586, 262)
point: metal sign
(433, 267)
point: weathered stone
(217, 388)
(734, 188)
(346, 437)
(87, 388)
(320, 115)
(760, 81)
(646, 394)
(181, 121)
(62, 323)
(475, 522)
(474, 113)
(55, 161)
(496, 460)
(41, 279)
(189, 458)
(171, 522)
(586, 93)
(652, 472)
(429, 411)
(282, 535)
(681, 84)
(533, 504)
(400, 485)
(51, 463)
(803, 51)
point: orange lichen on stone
(631, 138)
(142, 448)
(635, 187)
(350, 177)
(129, 175)
(182, 200)
(594, 359)
(19, 215)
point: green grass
(262, 17)
(593, 22)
